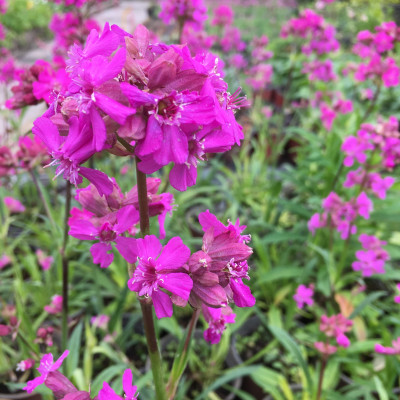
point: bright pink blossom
(107, 393)
(160, 268)
(24, 365)
(304, 296)
(47, 365)
(223, 15)
(44, 260)
(192, 11)
(217, 319)
(394, 350)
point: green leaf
(291, 346)
(368, 300)
(74, 344)
(382, 393)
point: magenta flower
(44, 335)
(14, 205)
(317, 221)
(100, 321)
(217, 319)
(44, 260)
(397, 298)
(56, 305)
(192, 11)
(24, 365)
(336, 326)
(161, 268)
(4, 260)
(226, 257)
(223, 15)
(45, 368)
(69, 152)
(319, 70)
(394, 350)
(304, 295)
(325, 348)
(107, 393)
(260, 76)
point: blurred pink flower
(14, 205)
(394, 350)
(100, 321)
(304, 295)
(217, 319)
(44, 260)
(325, 348)
(24, 365)
(4, 260)
(55, 306)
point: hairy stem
(145, 304)
(64, 261)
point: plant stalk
(64, 261)
(145, 303)
(182, 358)
(321, 376)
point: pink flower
(327, 116)
(14, 205)
(192, 11)
(223, 15)
(394, 350)
(45, 368)
(304, 295)
(217, 319)
(336, 326)
(319, 70)
(316, 222)
(397, 298)
(44, 260)
(238, 61)
(100, 321)
(260, 76)
(364, 205)
(4, 260)
(107, 393)
(24, 365)
(56, 305)
(161, 268)
(325, 348)
(354, 148)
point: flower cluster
(217, 318)
(161, 103)
(340, 214)
(372, 259)
(311, 26)
(334, 327)
(319, 70)
(374, 47)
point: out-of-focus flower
(107, 393)
(223, 15)
(24, 365)
(45, 335)
(304, 296)
(100, 321)
(217, 319)
(394, 350)
(55, 306)
(4, 260)
(14, 205)
(45, 261)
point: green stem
(43, 198)
(64, 260)
(182, 357)
(145, 303)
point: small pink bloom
(304, 295)
(44, 260)
(4, 261)
(217, 319)
(325, 348)
(56, 305)
(107, 393)
(24, 365)
(14, 205)
(100, 321)
(395, 349)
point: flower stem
(321, 376)
(182, 357)
(64, 260)
(43, 198)
(145, 303)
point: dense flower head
(372, 259)
(192, 11)
(319, 70)
(47, 366)
(219, 268)
(223, 15)
(217, 319)
(70, 28)
(164, 104)
(340, 214)
(336, 326)
(161, 268)
(107, 218)
(304, 295)
(311, 26)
